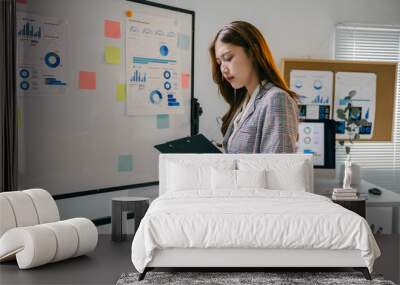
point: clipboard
(195, 144)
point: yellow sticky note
(121, 92)
(112, 55)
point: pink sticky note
(87, 80)
(21, 1)
(185, 80)
(112, 29)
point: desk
(386, 199)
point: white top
(241, 113)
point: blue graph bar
(28, 32)
(138, 77)
(53, 81)
(320, 100)
(147, 60)
(367, 114)
(172, 102)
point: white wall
(303, 28)
(99, 205)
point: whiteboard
(79, 138)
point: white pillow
(183, 178)
(251, 178)
(189, 175)
(282, 174)
(225, 179)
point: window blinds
(380, 161)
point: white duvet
(250, 219)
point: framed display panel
(385, 86)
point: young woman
(263, 112)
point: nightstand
(357, 206)
(119, 205)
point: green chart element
(125, 163)
(163, 121)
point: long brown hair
(247, 36)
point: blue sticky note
(163, 121)
(183, 41)
(125, 163)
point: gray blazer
(270, 125)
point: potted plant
(351, 116)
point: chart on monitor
(317, 137)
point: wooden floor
(111, 259)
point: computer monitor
(317, 137)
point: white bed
(203, 219)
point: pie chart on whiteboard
(155, 97)
(52, 59)
(164, 50)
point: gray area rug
(229, 278)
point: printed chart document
(41, 55)
(315, 90)
(364, 86)
(152, 66)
